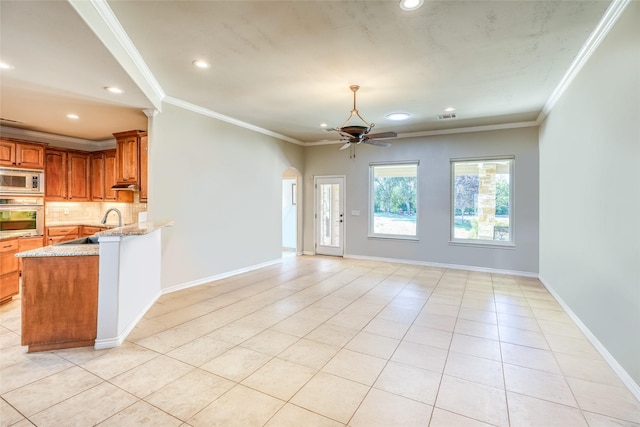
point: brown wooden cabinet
(97, 176)
(78, 177)
(89, 230)
(110, 168)
(128, 157)
(59, 302)
(21, 154)
(103, 177)
(55, 172)
(144, 160)
(28, 243)
(60, 234)
(67, 175)
(9, 270)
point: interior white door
(330, 215)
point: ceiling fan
(357, 134)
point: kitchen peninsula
(90, 291)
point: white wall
(434, 154)
(289, 214)
(590, 194)
(222, 185)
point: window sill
(483, 244)
(393, 237)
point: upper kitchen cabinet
(97, 176)
(110, 168)
(67, 175)
(78, 183)
(55, 186)
(144, 160)
(128, 156)
(20, 154)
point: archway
(291, 212)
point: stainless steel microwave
(21, 181)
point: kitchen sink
(91, 240)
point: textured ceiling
(286, 66)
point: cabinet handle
(6, 246)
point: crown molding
(57, 140)
(451, 131)
(100, 18)
(210, 113)
(608, 20)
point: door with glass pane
(329, 215)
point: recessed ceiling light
(5, 66)
(201, 64)
(114, 89)
(410, 4)
(398, 116)
(73, 116)
(449, 109)
(323, 125)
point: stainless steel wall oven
(21, 215)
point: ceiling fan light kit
(357, 134)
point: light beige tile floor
(319, 341)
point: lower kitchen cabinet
(59, 302)
(62, 234)
(9, 270)
(28, 243)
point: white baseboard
(101, 344)
(633, 387)
(449, 266)
(220, 276)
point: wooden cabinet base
(59, 302)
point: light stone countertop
(135, 229)
(62, 249)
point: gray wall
(222, 185)
(590, 197)
(434, 154)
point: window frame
(371, 233)
(477, 242)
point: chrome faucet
(106, 214)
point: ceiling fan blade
(378, 143)
(345, 146)
(382, 135)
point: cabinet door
(97, 177)
(144, 158)
(8, 261)
(127, 167)
(110, 174)
(26, 244)
(88, 230)
(9, 286)
(7, 153)
(78, 182)
(29, 156)
(55, 175)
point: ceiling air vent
(446, 116)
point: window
(482, 200)
(393, 199)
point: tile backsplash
(91, 212)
